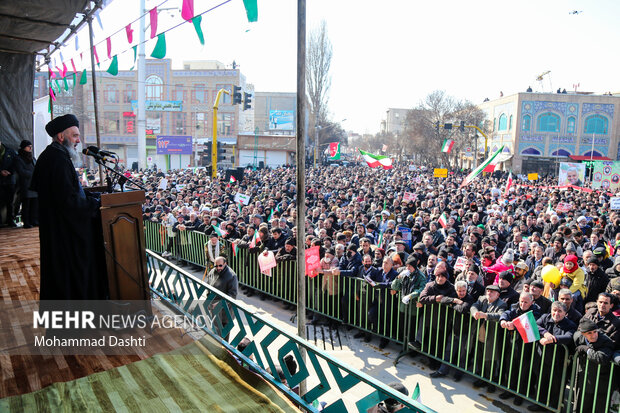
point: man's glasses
(220, 266)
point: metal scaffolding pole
(301, 174)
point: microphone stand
(122, 179)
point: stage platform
(175, 372)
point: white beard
(73, 153)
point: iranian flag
(474, 174)
(549, 209)
(443, 220)
(254, 239)
(232, 180)
(235, 248)
(508, 185)
(376, 160)
(526, 326)
(447, 146)
(416, 393)
(219, 231)
(334, 151)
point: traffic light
(462, 127)
(437, 126)
(220, 151)
(247, 101)
(236, 95)
(447, 126)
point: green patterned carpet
(200, 377)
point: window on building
(154, 88)
(200, 123)
(561, 152)
(225, 124)
(570, 125)
(179, 93)
(200, 93)
(129, 93)
(110, 93)
(111, 122)
(510, 123)
(593, 153)
(548, 122)
(225, 99)
(527, 120)
(179, 123)
(596, 124)
(503, 122)
(531, 151)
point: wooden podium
(125, 255)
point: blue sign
(174, 145)
(281, 119)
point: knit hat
(24, 144)
(508, 257)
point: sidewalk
(441, 394)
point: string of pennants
(57, 83)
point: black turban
(61, 123)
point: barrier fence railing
(539, 374)
(229, 321)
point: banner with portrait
(572, 174)
(606, 175)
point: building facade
(541, 129)
(394, 121)
(178, 103)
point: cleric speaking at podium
(72, 261)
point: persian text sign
(174, 145)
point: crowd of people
(484, 249)
(480, 249)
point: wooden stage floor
(19, 280)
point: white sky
(392, 53)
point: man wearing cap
(536, 289)
(489, 307)
(600, 253)
(506, 293)
(597, 349)
(72, 260)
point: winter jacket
(578, 278)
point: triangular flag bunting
(251, 9)
(49, 105)
(129, 32)
(197, 21)
(96, 56)
(153, 14)
(64, 69)
(159, 52)
(108, 43)
(83, 77)
(187, 12)
(66, 83)
(52, 74)
(73, 66)
(135, 54)
(113, 69)
(74, 77)
(52, 95)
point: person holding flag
(521, 317)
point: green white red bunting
(447, 146)
(375, 161)
(334, 151)
(527, 328)
(474, 174)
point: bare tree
(425, 139)
(318, 79)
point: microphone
(98, 154)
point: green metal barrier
(480, 348)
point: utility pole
(301, 184)
(95, 101)
(141, 115)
